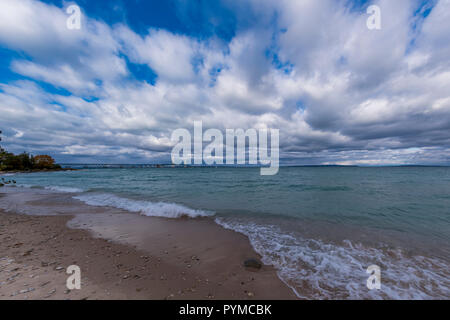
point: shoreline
(213, 249)
(36, 171)
(128, 256)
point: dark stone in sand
(253, 264)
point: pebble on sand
(253, 264)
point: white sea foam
(147, 208)
(7, 174)
(64, 189)
(50, 188)
(17, 185)
(318, 270)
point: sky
(114, 90)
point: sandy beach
(124, 256)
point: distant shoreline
(37, 170)
(79, 166)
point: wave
(18, 185)
(147, 208)
(304, 187)
(64, 189)
(317, 270)
(50, 188)
(7, 174)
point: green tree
(25, 161)
(2, 154)
(44, 162)
(1, 149)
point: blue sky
(113, 91)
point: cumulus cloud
(339, 92)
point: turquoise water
(321, 227)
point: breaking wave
(64, 189)
(317, 270)
(147, 208)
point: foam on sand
(318, 270)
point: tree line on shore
(25, 161)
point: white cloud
(168, 54)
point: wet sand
(123, 255)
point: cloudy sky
(113, 91)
